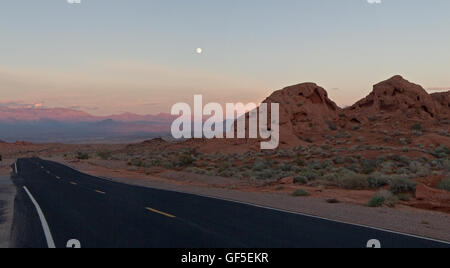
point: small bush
(445, 184)
(260, 164)
(310, 174)
(104, 155)
(381, 198)
(332, 126)
(404, 197)
(300, 192)
(402, 185)
(377, 201)
(301, 179)
(377, 180)
(339, 160)
(82, 156)
(186, 160)
(417, 127)
(353, 181)
(136, 162)
(441, 152)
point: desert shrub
(368, 165)
(260, 164)
(167, 164)
(136, 162)
(310, 174)
(332, 126)
(339, 160)
(377, 180)
(444, 133)
(402, 160)
(331, 177)
(105, 155)
(186, 160)
(419, 169)
(417, 133)
(356, 127)
(399, 184)
(343, 135)
(441, 152)
(300, 192)
(446, 166)
(196, 170)
(82, 156)
(315, 164)
(285, 166)
(267, 174)
(227, 173)
(300, 161)
(354, 167)
(445, 184)
(353, 181)
(376, 201)
(381, 198)
(404, 197)
(301, 179)
(417, 127)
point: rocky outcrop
(304, 109)
(442, 101)
(397, 96)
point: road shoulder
(7, 195)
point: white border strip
(45, 227)
(265, 207)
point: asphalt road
(56, 204)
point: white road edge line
(271, 208)
(45, 227)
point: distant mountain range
(73, 126)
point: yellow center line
(100, 192)
(58, 177)
(73, 183)
(160, 212)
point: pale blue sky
(108, 56)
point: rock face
(304, 108)
(397, 96)
(430, 198)
(442, 101)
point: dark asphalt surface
(104, 214)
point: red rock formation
(304, 109)
(442, 101)
(397, 97)
(429, 198)
(307, 115)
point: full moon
(199, 51)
